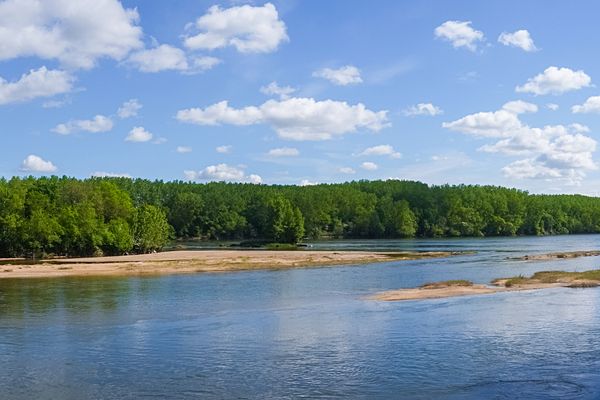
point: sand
(457, 291)
(181, 262)
(438, 290)
(561, 255)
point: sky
(303, 92)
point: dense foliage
(66, 216)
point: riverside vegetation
(111, 216)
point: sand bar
(540, 280)
(181, 262)
(560, 255)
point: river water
(309, 333)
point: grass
(445, 284)
(575, 279)
(281, 246)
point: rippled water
(308, 332)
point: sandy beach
(182, 262)
(559, 255)
(540, 280)
(456, 291)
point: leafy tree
(151, 231)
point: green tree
(286, 224)
(151, 231)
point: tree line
(67, 216)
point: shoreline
(456, 288)
(457, 291)
(199, 261)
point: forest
(64, 216)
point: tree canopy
(67, 216)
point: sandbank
(181, 262)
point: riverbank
(185, 262)
(457, 288)
(559, 255)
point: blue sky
(300, 92)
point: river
(309, 333)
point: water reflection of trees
(21, 298)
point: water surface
(308, 332)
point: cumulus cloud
(347, 75)
(294, 118)
(168, 58)
(552, 152)
(556, 81)
(521, 39)
(369, 166)
(381, 150)
(225, 149)
(591, 105)
(184, 149)
(306, 182)
(460, 34)
(273, 88)
(423, 109)
(103, 174)
(552, 106)
(520, 107)
(222, 172)
(138, 134)
(33, 163)
(99, 123)
(35, 83)
(129, 109)
(347, 170)
(284, 152)
(76, 33)
(493, 124)
(247, 28)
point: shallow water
(308, 332)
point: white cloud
(160, 140)
(294, 118)
(520, 107)
(591, 105)
(36, 83)
(129, 109)
(103, 174)
(222, 172)
(169, 58)
(521, 39)
(225, 149)
(139, 134)
(99, 123)
(423, 109)
(369, 166)
(249, 29)
(553, 152)
(184, 149)
(460, 34)
(284, 152)
(274, 89)
(306, 182)
(499, 123)
(76, 33)
(347, 170)
(381, 150)
(33, 163)
(556, 81)
(347, 75)
(552, 106)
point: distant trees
(66, 216)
